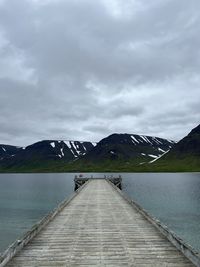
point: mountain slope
(46, 154)
(123, 152)
(7, 151)
(184, 156)
(189, 145)
(126, 146)
(117, 152)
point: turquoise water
(172, 198)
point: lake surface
(173, 198)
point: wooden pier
(99, 227)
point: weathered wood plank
(99, 228)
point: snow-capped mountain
(141, 148)
(59, 155)
(45, 153)
(59, 149)
(117, 152)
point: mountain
(127, 146)
(117, 152)
(53, 149)
(184, 156)
(123, 152)
(45, 154)
(189, 145)
(7, 151)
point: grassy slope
(35, 166)
(185, 164)
(178, 164)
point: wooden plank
(99, 228)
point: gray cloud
(84, 69)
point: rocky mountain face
(123, 147)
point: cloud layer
(82, 69)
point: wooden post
(78, 182)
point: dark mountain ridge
(190, 144)
(184, 156)
(46, 152)
(127, 149)
(117, 152)
(7, 151)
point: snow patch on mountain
(134, 139)
(159, 157)
(161, 150)
(94, 144)
(53, 144)
(70, 146)
(152, 156)
(62, 153)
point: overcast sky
(83, 69)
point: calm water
(172, 198)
